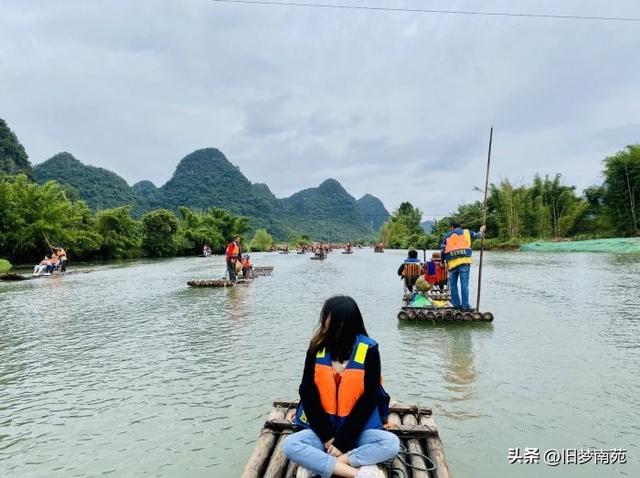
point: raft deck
(421, 451)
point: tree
(213, 227)
(403, 230)
(121, 234)
(29, 212)
(159, 228)
(261, 241)
(622, 190)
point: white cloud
(394, 104)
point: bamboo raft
(444, 314)
(217, 282)
(421, 452)
(262, 270)
(14, 277)
(318, 258)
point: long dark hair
(340, 323)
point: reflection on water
(127, 371)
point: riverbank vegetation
(31, 214)
(544, 209)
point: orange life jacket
(233, 250)
(457, 248)
(411, 270)
(340, 392)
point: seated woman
(53, 264)
(247, 267)
(343, 406)
(41, 267)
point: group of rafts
(431, 299)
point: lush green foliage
(160, 228)
(403, 229)
(621, 193)
(214, 228)
(13, 157)
(29, 212)
(261, 241)
(5, 266)
(98, 187)
(545, 209)
(121, 234)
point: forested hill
(327, 212)
(13, 157)
(373, 211)
(205, 179)
(100, 188)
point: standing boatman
(233, 255)
(456, 250)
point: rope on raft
(403, 451)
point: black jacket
(362, 410)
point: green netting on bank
(624, 245)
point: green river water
(126, 371)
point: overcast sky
(398, 105)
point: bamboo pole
(418, 463)
(435, 450)
(484, 219)
(259, 457)
(303, 473)
(278, 462)
(47, 240)
(398, 464)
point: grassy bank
(5, 266)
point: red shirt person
(233, 254)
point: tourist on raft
(343, 406)
(435, 272)
(410, 270)
(42, 267)
(456, 249)
(233, 255)
(62, 259)
(247, 267)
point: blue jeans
(372, 447)
(461, 271)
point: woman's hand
(332, 450)
(328, 444)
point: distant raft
(262, 270)
(217, 282)
(13, 277)
(421, 451)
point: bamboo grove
(544, 209)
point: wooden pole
(484, 219)
(48, 243)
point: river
(127, 371)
